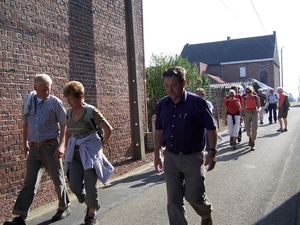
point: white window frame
(243, 71)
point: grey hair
(42, 79)
(231, 92)
(260, 89)
(280, 89)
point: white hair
(231, 93)
(280, 89)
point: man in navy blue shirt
(181, 118)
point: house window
(242, 71)
(263, 64)
(264, 76)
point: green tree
(291, 98)
(154, 84)
(159, 63)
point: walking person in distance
(263, 100)
(272, 100)
(282, 110)
(251, 108)
(233, 117)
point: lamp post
(281, 66)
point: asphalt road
(260, 187)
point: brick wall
(231, 73)
(70, 40)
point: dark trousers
(272, 111)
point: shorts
(282, 112)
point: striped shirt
(183, 123)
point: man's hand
(158, 164)
(210, 160)
(59, 152)
(26, 151)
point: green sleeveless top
(82, 127)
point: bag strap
(89, 113)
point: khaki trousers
(184, 176)
(251, 120)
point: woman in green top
(85, 151)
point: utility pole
(281, 66)
(136, 116)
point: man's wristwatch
(213, 150)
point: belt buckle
(38, 144)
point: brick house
(236, 60)
(99, 43)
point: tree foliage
(291, 98)
(159, 63)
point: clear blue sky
(170, 24)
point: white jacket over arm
(91, 154)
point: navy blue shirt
(183, 123)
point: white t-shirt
(210, 106)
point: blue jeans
(39, 159)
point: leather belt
(39, 144)
(185, 153)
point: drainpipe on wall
(222, 72)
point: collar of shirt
(183, 97)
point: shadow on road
(142, 178)
(284, 214)
(45, 222)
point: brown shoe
(252, 145)
(207, 221)
(249, 142)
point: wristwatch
(213, 150)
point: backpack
(286, 104)
(89, 113)
(253, 98)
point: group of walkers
(250, 109)
(184, 125)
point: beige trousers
(251, 120)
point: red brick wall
(231, 73)
(70, 40)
